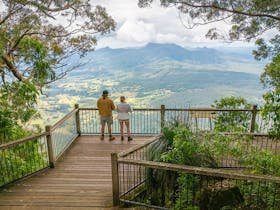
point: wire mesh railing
(170, 186)
(64, 133)
(142, 121)
(162, 185)
(235, 143)
(149, 121)
(22, 158)
(29, 155)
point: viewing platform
(69, 167)
(81, 179)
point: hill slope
(156, 74)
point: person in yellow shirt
(105, 106)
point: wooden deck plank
(80, 180)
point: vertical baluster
(86, 116)
(115, 179)
(50, 146)
(95, 121)
(26, 155)
(16, 158)
(6, 171)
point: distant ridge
(129, 57)
(158, 74)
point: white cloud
(138, 26)
(136, 31)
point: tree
(37, 36)
(238, 121)
(17, 102)
(249, 20)
(36, 39)
(271, 110)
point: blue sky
(139, 26)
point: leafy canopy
(237, 121)
(36, 38)
(271, 110)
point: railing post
(78, 122)
(50, 146)
(162, 116)
(115, 179)
(253, 118)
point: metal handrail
(152, 120)
(22, 140)
(183, 109)
(200, 170)
(66, 117)
(48, 152)
(137, 147)
(129, 160)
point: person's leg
(102, 128)
(109, 129)
(121, 129)
(128, 130)
(109, 123)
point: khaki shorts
(104, 120)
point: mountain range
(156, 74)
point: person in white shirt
(123, 110)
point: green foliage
(187, 150)
(178, 190)
(261, 162)
(232, 121)
(271, 109)
(34, 47)
(160, 180)
(22, 160)
(186, 182)
(9, 128)
(35, 44)
(17, 102)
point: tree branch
(18, 41)
(12, 68)
(194, 24)
(9, 15)
(57, 9)
(213, 6)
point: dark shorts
(104, 120)
(126, 120)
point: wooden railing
(133, 175)
(32, 154)
(23, 157)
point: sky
(139, 26)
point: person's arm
(98, 103)
(130, 108)
(117, 108)
(113, 106)
(98, 106)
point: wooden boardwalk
(81, 179)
